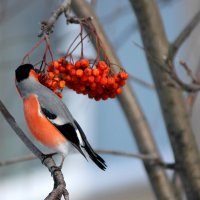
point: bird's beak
(33, 74)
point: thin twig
(77, 20)
(174, 47)
(141, 156)
(17, 160)
(145, 157)
(47, 26)
(32, 49)
(192, 87)
(189, 71)
(46, 160)
(110, 152)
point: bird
(48, 118)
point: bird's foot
(62, 161)
(45, 156)
(54, 168)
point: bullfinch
(49, 119)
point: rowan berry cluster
(95, 81)
(52, 81)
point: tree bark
(171, 100)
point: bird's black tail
(92, 154)
(95, 157)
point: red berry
(69, 67)
(78, 64)
(62, 84)
(91, 79)
(101, 65)
(118, 91)
(56, 64)
(84, 78)
(79, 72)
(88, 71)
(95, 72)
(84, 62)
(103, 80)
(72, 72)
(93, 86)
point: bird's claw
(54, 168)
(45, 156)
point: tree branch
(137, 121)
(171, 99)
(47, 26)
(59, 183)
(17, 160)
(148, 158)
(192, 87)
(174, 47)
(110, 152)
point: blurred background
(103, 122)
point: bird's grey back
(47, 99)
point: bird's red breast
(39, 125)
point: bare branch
(47, 26)
(171, 100)
(192, 87)
(21, 159)
(17, 160)
(137, 121)
(110, 152)
(127, 154)
(189, 71)
(144, 157)
(174, 47)
(184, 86)
(59, 183)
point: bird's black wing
(48, 114)
(71, 131)
(67, 130)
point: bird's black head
(22, 72)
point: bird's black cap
(22, 72)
